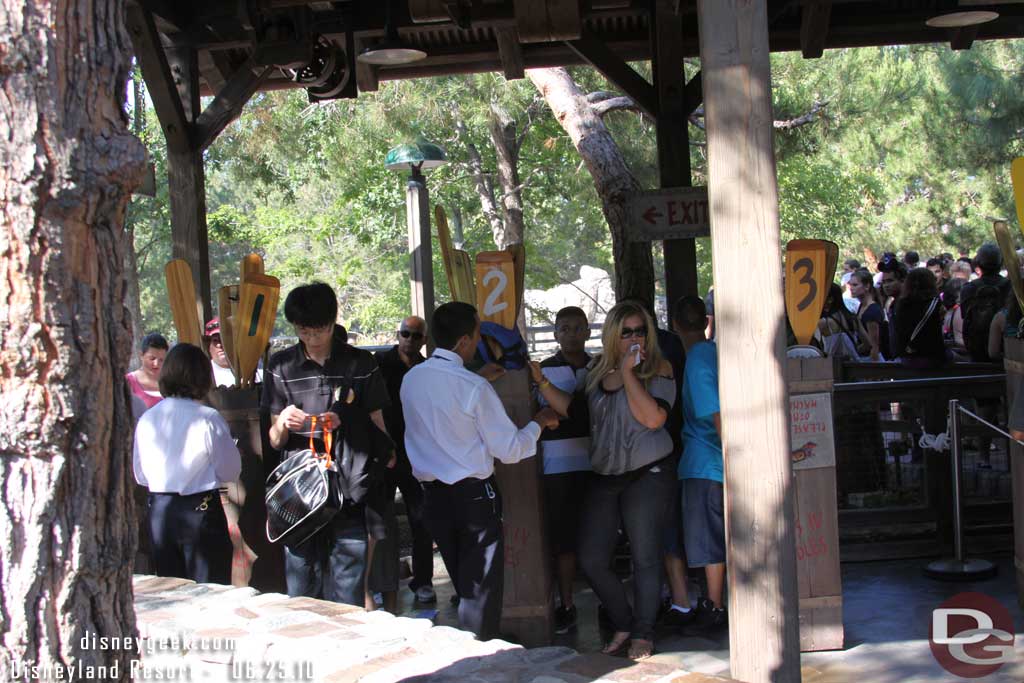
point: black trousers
(190, 537)
(422, 542)
(465, 520)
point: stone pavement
(207, 632)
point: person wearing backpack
(981, 299)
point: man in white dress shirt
(455, 427)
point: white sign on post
(671, 213)
(810, 430)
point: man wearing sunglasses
(394, 364)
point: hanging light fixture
(962, 19)
(391, 51)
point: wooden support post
(421, 264)
(510, 52)
(187, 181)
(673, 140)
(743, 196)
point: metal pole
(958, 504)
(958, 567)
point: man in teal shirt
(700, 468)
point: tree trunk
(69, 163)
(502, 128)
(634, 266)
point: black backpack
(981, 308)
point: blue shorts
(703, 522)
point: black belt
(438, 484)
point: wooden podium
(817, 516)
(255, 561)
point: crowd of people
(629, 440)
(920, 314)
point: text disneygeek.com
(161, 659)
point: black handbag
(302, 496)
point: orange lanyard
(328, 439)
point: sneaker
(709, 622)
(426, 595)
(565, 619)
(673, 618)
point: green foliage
(912, 150)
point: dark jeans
(332, 564)
(422, 542)
(642, 500)
(465, 520)
(190, 537)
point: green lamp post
(416, 158)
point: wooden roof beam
(814, 20)
(511, 53)
(159, 82)
(962, 38)
(615, 69)
(229, 102)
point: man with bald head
(394, 364)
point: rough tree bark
(634, 265)
(67, 165)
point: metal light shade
(390, 54)
(961, 19)
(425, 155)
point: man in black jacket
(394, 364)
(323, 376)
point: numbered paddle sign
(807, 283)
(1010, 259)
(1017, 179)
(496, 290)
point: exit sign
(671, 213)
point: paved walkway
(210, 633)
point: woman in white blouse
(183, 453)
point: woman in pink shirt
(145, 382)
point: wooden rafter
(155, 69)
(615, 69)
(814, 20)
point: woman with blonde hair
(629, 393)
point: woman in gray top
(629, 392)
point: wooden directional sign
(1010, 259)
(457, 264)
(807, 281)
(1017, 178)
(671, 213)
(496, 287)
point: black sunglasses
(628, 332)
(415, 335)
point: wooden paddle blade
(251, 265)
(227, 302)
(1010, 259)
(806, 286)
(181, 292)
(257, 311)
(1017, 179)
(495, 271)
(465, 286)
(444, 239)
